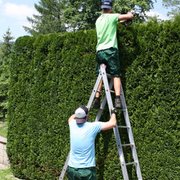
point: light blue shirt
(82, 142)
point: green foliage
(44, 93)
(51, 75)
(128, 5)
(3, 128)
(153, 99)
(62, 15)
(5, 58)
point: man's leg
(98, 93)
(97, 96)
(100, 59)
(114, 70)
(72, 173)
(117, 86)
(87, 174)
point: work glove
(113, 111)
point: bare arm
(124, 17)
(109, 124)
(71, 118)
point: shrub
(52, 75)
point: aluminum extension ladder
(108, 86)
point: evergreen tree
(6, 50)
(70, 15)
(5, 58)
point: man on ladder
(80, 163)
(107, 47)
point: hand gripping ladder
(108, 86)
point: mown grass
(3, 129)
(6, 174)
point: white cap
(80, 114)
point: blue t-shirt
(82, 142)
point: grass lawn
(3, 129)
(6, 174)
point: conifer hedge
(51, 75)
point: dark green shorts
(109, 57)
(81, 173)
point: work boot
(96, 104)
(117, 102)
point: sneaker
(96, 104)
(117, 103)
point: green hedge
(153, 99)
(52, 75)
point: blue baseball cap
(106, 4)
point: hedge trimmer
(138, 15)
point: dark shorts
(109, 57)
(81, 173)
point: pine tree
(70, 15)
(5, 58)
(7, 43)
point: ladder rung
(123, 127)
(131, 163)
(100, 109)
(124, 109)
(112, 91)
(125, 145)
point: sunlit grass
(6, 174)
(3, 129)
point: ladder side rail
(115, 129)
(99, 78)
(107, 88)
(103, 104)
(99, 113)
(127, 121)
(63, 172)
(130, 135)
(121, 154)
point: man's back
(82, 137)
(81, 164)
(106, 27)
